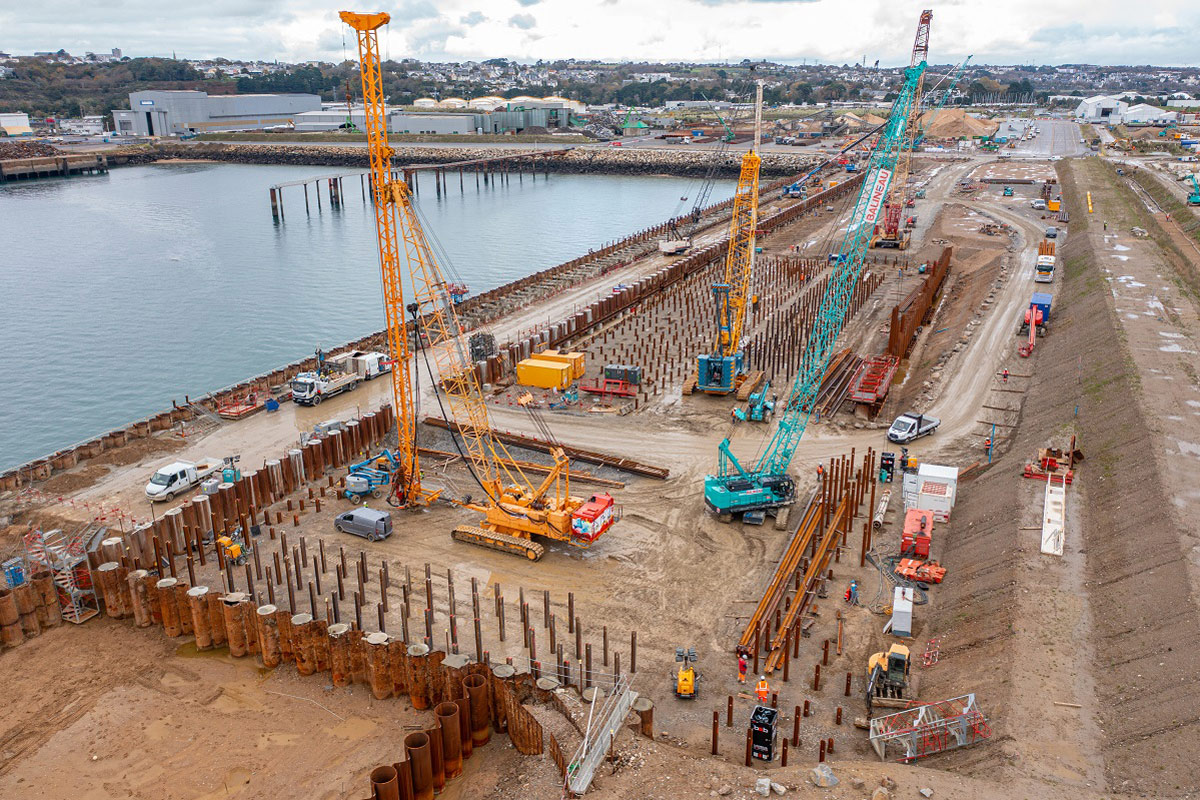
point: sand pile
(953, 123)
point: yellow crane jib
(720, 371)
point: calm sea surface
(123, 291)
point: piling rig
(515, 509)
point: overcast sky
(1163, 32)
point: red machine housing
(593, 518)
(918, 533)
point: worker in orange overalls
(761, 689)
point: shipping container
(578, 361)
(544, 374)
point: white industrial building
(1146, 114)
(398, 121)
(1100, 108)
(167, 113)
(1112, 110)
(14, 124)
(436, 122)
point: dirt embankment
(1138, 586)
(1126, 649)
(590, 160)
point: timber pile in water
(604, 160)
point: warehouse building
(1101, 109)
(168, 113)
(397, 121)
(14, 124)
(1146, 114)
(496, 122)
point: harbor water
(127, 290)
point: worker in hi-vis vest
(761, 689)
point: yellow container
(578, 361)
(1053, 205)
(543, 374)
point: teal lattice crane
(766, 485)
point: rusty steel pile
(27, 609)
(803, 574)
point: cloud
(413, 10)
(473, 18)
(429, 39)
(522, 21)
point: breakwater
(580, 160)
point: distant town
(111, 93)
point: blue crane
(766, 485)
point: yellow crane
(721, 370)
(514, 509)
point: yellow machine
(887, 673)
(515, 510)
(234, 550)
(686, 677)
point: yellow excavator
(686, 677)
(887, 674)
(515, 509)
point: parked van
(369, 523)
(1038, 205)
(1052, 232)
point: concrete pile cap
(592, 693)
(301, 619)
(455, 661)
(338, 629)
(197, 591)
(418, 649)
(267, 610)
(233, 598)
(163, 583)
(642, 704)
(502, 670)
(376, 638)
(139, 573)
(107, 566)
(547, 684)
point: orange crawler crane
(515, 510)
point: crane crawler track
(498, 541)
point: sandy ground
(669, 571)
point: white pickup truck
(908, 427)
(179, 476)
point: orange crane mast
(515, 510)
(406, 480)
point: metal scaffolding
(603, 724)
(930, 728)
(65, 555)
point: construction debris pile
(26, 150)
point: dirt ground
(133, 714)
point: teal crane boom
(1194, 196)
(766, 485)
